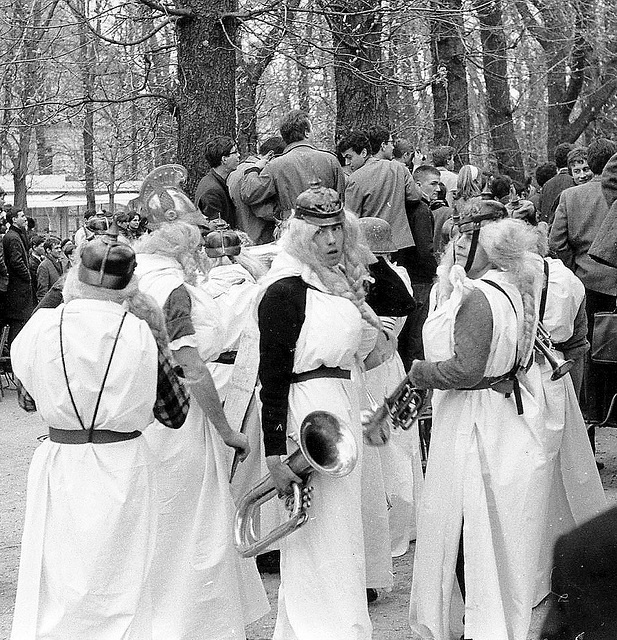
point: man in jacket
(257, 221)
(212, 194)
(578, 217)
(18, 299)
(291, 173)
(549, 199)
(51, 269)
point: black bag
(604, 340)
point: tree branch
(167, 10)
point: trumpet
(544, 345)
(325, 445)
(400, 410)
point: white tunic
(91, 511)
(322, 593)
(487, 470)
(203, 589)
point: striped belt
(96, 436)
(321, 372)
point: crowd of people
(177, 354)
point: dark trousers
(599, 380)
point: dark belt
(498, 383)
(227, 357)
(321, 372)
(507, 385)
(96, 436)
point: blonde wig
(179, 240)
(510, 246)
(346, 279)
(139, 304)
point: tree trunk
(44, 151)
(494, 52)
(206, 106)
(450, 101)
(361, 95)
(247, 108)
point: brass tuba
(400, 410)
(325, 445)
(544, 345)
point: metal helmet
(378, 235)
(477, 211)
(161, 198)
(222, 242)
(320, 206)
(106, 263)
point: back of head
(356, 140)
(273, 143)
(500, 186)
(216, 148)
(295, 126)
(561, 154)
(401, 147)
(467, 184)
(424, 171)
(441, 155)
(37, 240)
(545, 172)
(599, 152)
(377, 135)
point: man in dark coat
(18, 299)
(212, 195)
(37, 255)
(549, 199)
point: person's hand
(239, 442)
(282, 475)
(306, 499)
(263, 161)
(375, 426)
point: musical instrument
(544, 345)
(400, 410)
(325, 445)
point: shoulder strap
(512, 373)
(544, 291)
(66, 377)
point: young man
(212, 195)
(355, 149)
(443, 160)
(421, 262)
(555, 185)
(37, 255)
(257, 221)
(579, 167)
(18, 298)
(380, 188)
(51, 269)
(291, 173)
(581, 211)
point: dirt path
(18, 432)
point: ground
(18, 439)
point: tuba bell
(325, 445)
(544, 345)
(400, 410)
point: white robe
(322, 593)
(487, 469)
(203, 589)
(91, 509)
